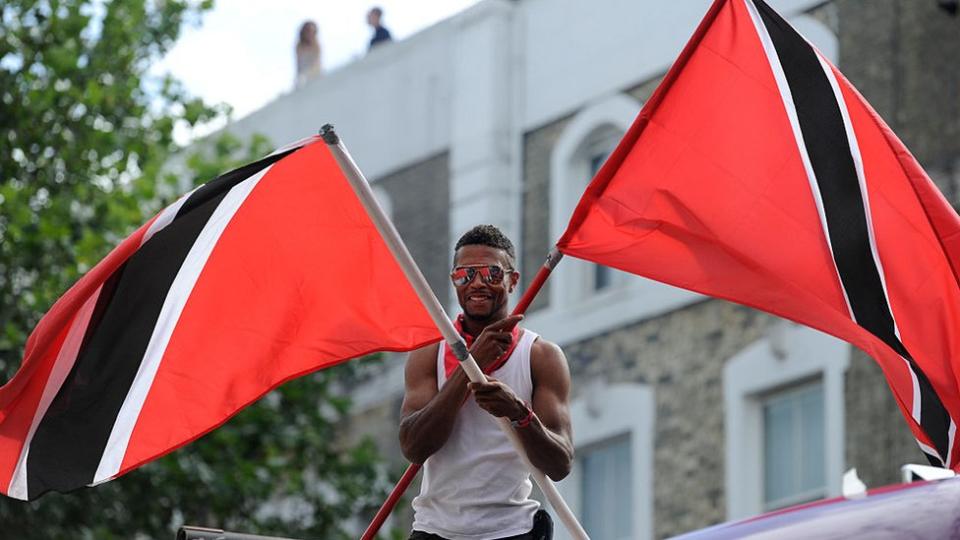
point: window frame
(594, 152)
(597, 129)
(606, 444)
(784, 394)
(789, 354)
(598, 417)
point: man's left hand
(498, 399)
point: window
(602, 275)
(793, 446)
(581, 150)
(605, 492)
(784, 420)
(610, 488)
(586, 300)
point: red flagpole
(398, 490)
(553, 258)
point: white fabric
(476, 487)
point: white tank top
(476, 487)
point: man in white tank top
(475, 486)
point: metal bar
(204, 533)
(439, 316)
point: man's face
(483, 301)
(373, 18)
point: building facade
(687, 411)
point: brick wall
(902, 56)
(681, 355)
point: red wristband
(525, 421)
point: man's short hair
(487, 235)
(377, 11)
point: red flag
(261, 275)
(758, 174)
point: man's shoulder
(544, 348)
(427, 350)
(422, 362)
(548, 365)
(380, 34)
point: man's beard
(487, 318)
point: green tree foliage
(84, 136)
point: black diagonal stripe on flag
(828, 147)
(70, 439)
(221, 184)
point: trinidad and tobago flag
(264, 274)
(758, 174)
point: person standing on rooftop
(380, 33)
(307, 54)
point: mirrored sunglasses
(489, 275)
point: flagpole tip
(329, 135)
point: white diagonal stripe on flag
(166, 216)
(173, 305)
(64, 364)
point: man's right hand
(494, 341)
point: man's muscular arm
(427, 415)
(548, 438)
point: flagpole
(553, 258)
(439, 316)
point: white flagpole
(439, 316)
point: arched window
(594, 151)
(580, 151)
(586, 300)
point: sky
(242, 51)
